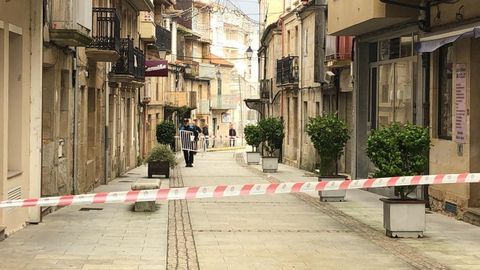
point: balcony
(338, 51)
(71, 22)
(287, 71)
(204, 107)
(181, 99)
(225, 102)
(207, 71)
(265, 89)
(130, 67)
(164, 39)
(106, 36)
(353, 18)
(143, 5)
(147, 26)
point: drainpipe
(75, 122)
(107, 120)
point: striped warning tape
(189, 193)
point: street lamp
(249, 53)
(188, 69)
(162, 53)
(218, 74)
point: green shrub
(399, 150)
(162, 152)
(329, 136)
(272, 134)
(253, 136)
(166, 133)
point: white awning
(433, 42)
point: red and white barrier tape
(188, 193)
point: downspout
(75, 122)
(107, 120)
(300, 90)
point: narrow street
(257, 232)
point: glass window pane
(445, 93)
(403, 92)
(385, 94)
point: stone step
(472, 216)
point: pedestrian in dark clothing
(232, 133)
(205, 133)
(189, 143)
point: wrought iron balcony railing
(106, 29)
(287, 70)
(164, 39)
(131, 61)
(139, 64)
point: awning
(432, 43)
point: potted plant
(160, 160)
(329, 136)
(253, 136)
(401, 150)
(166, 133)
(272, 133)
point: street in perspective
(239, 134)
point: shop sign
(157, 68)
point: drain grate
(90, 209)
(125, 181)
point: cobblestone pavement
(108, 236)
(272, 232)
(289, 231)
(181, 246)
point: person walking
(232, 133)
(205, 133)
(188, 143)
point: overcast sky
(250, 7)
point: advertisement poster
(461, 104)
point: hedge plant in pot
(272, 134)
(166, 133)
(160, 160)
(401, 150)
(329, 136)
(253, 136)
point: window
(445, 71)
(317, 108)
(288, 41)
(395, 85)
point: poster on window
(461, 104)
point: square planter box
(159, 168)
(332, 195)
(270, 164)
(253, 158)
(403, 218)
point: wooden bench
(146, 184)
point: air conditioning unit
(328, 76)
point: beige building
(418, 67)
(294, 85)
(20, 99)
(453, 82)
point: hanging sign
(461, 104)
(156, 68)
